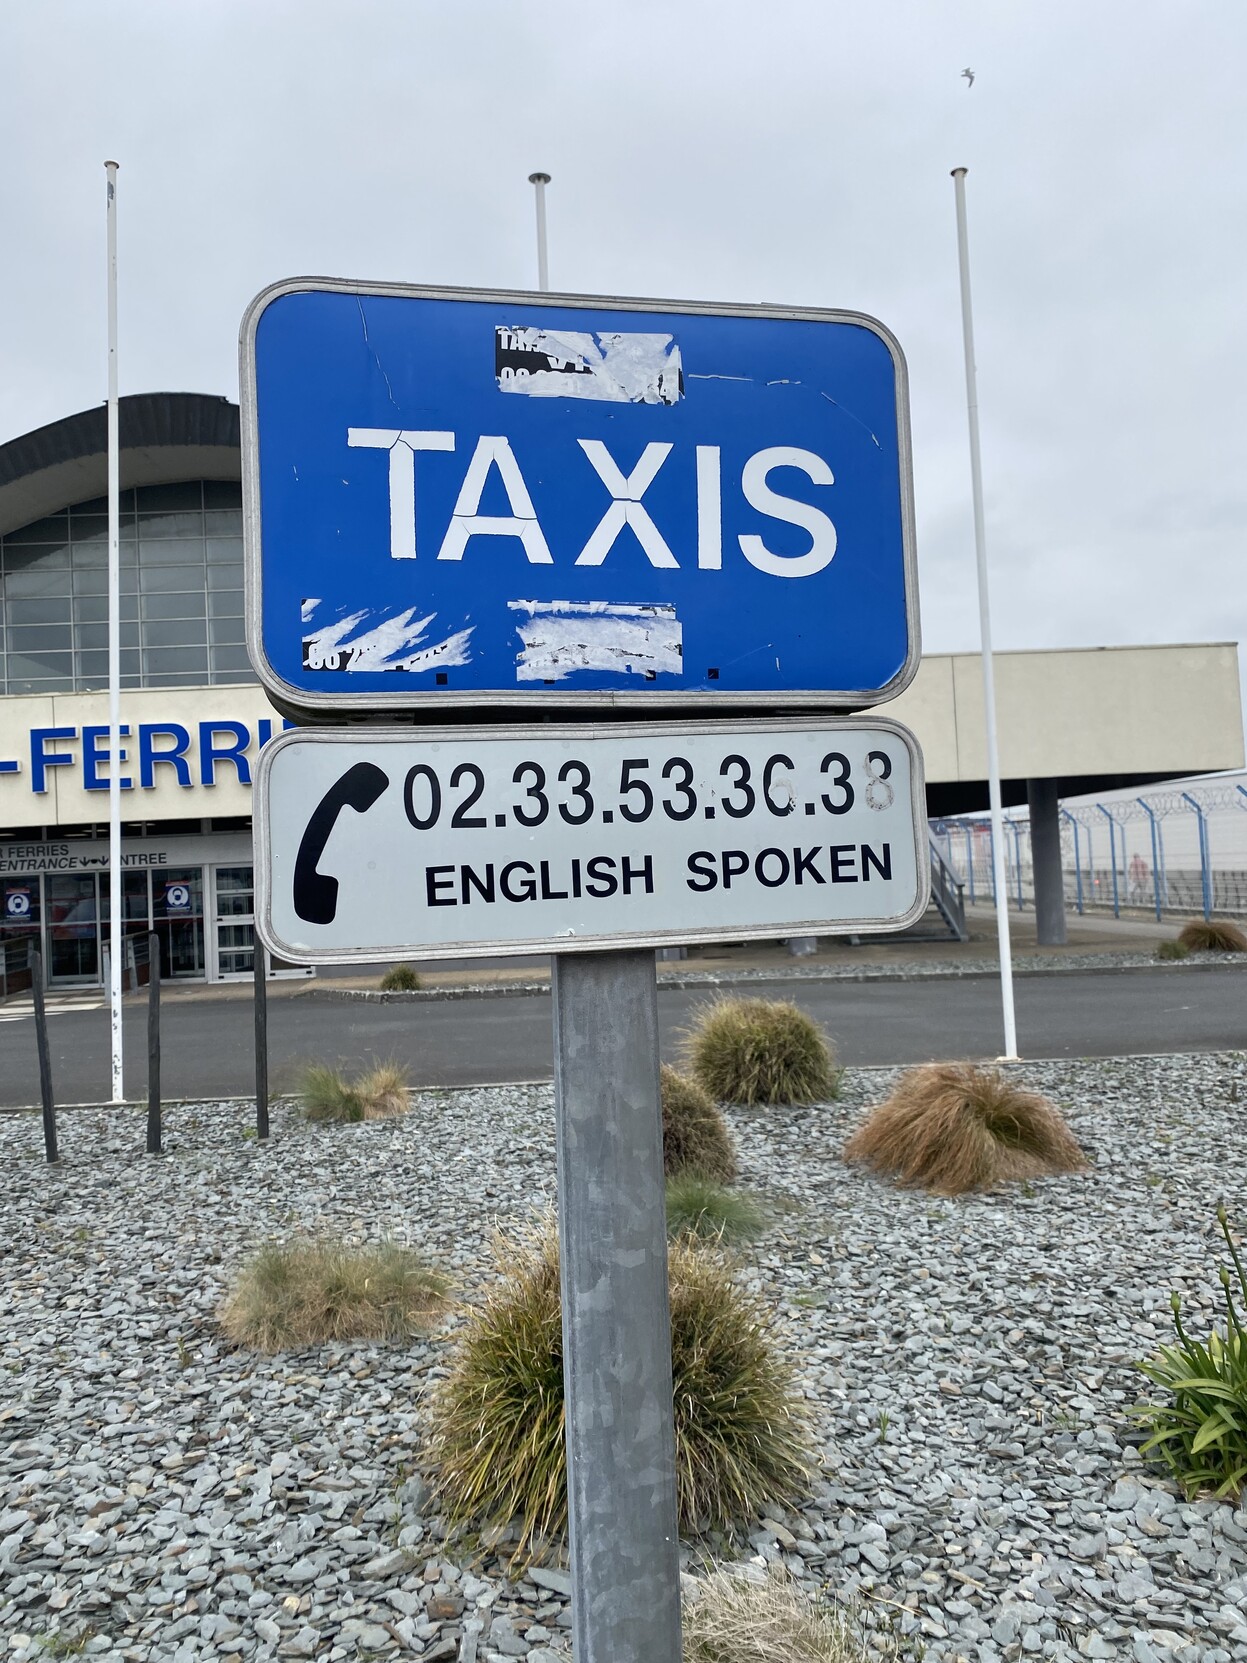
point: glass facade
(181, 593)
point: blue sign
(466, 499)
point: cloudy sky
(791, 150)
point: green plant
(695, 1137)
(185, 1357)
(951, 1127)
(760, 1051)
(377, 1094)
(1212, 935)
(884, 1421)
(400, 978)
(1173, 950)
(697, 1206)
(497, 1448)
(302, 1293)
(742, 1618)
(1200, 1433)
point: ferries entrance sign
(460, 500)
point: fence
(1178, 850)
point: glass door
(178, 919)
(235, 920)
(72, 917)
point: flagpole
(539, 181)
(985, 631)
(115, 885)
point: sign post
(464, 508)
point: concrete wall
(1116, 710)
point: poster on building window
(177, 898)
(18, 904)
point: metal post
(616, 1321)
(1077, 862)
(1017, 861)
(970, 859)
(45, 1059)
(539, 181)
(259, 971)
(153, 1044)
(1151, 818)
(115, 880)
(985, 626)
(1205, 873)
(1112, 856)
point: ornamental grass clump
(300, 1293)
(1199, 1434)
(695, 1137)
(497, 1450)
(1212, 935)
(754, 1051)
(950, 1128)
(400, 978)
(1172, 950)
(741, 1618)
(697, 1206)
(378, 1094)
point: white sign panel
(461, 842)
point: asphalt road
(207, 1046)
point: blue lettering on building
(167, 746)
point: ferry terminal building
(194, 718)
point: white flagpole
(539, 181)
(985, 630)
(115, 885)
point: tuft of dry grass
(950, 1127)
(1212, 935)
(497, 1446)
(400, 978)
(742, 1618)
(695, 1137)
(300, 1293)
(377, 1094)
(760, 1051)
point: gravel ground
(967, 1366)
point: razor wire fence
(1181, 849)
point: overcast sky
(777, 150)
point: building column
(1045, 813)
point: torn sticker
(371, 640)
(565, 363)
(623, 638)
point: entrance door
(178, 919)
(72, 916)
(235, 921)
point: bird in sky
(968, 75)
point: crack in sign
(623, 638)
(607, 365)
(373, 640)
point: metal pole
(539, 181)
(45, 1059)
(616, 1322)
(1155, 855)
(261, 1038)
(1112, 856)
(985, 626)
(153, 1044)
(970, 859)
(115, 883)
(1205, 875)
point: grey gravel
(967, 1367)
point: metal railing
(948, 893)
(1177, 851)
(17, 971)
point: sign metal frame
(441, 703)
(668, 730)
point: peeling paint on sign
(627, 638)
(615, 367)
(372, 641)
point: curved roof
(165, 437)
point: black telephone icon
(316, 893)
